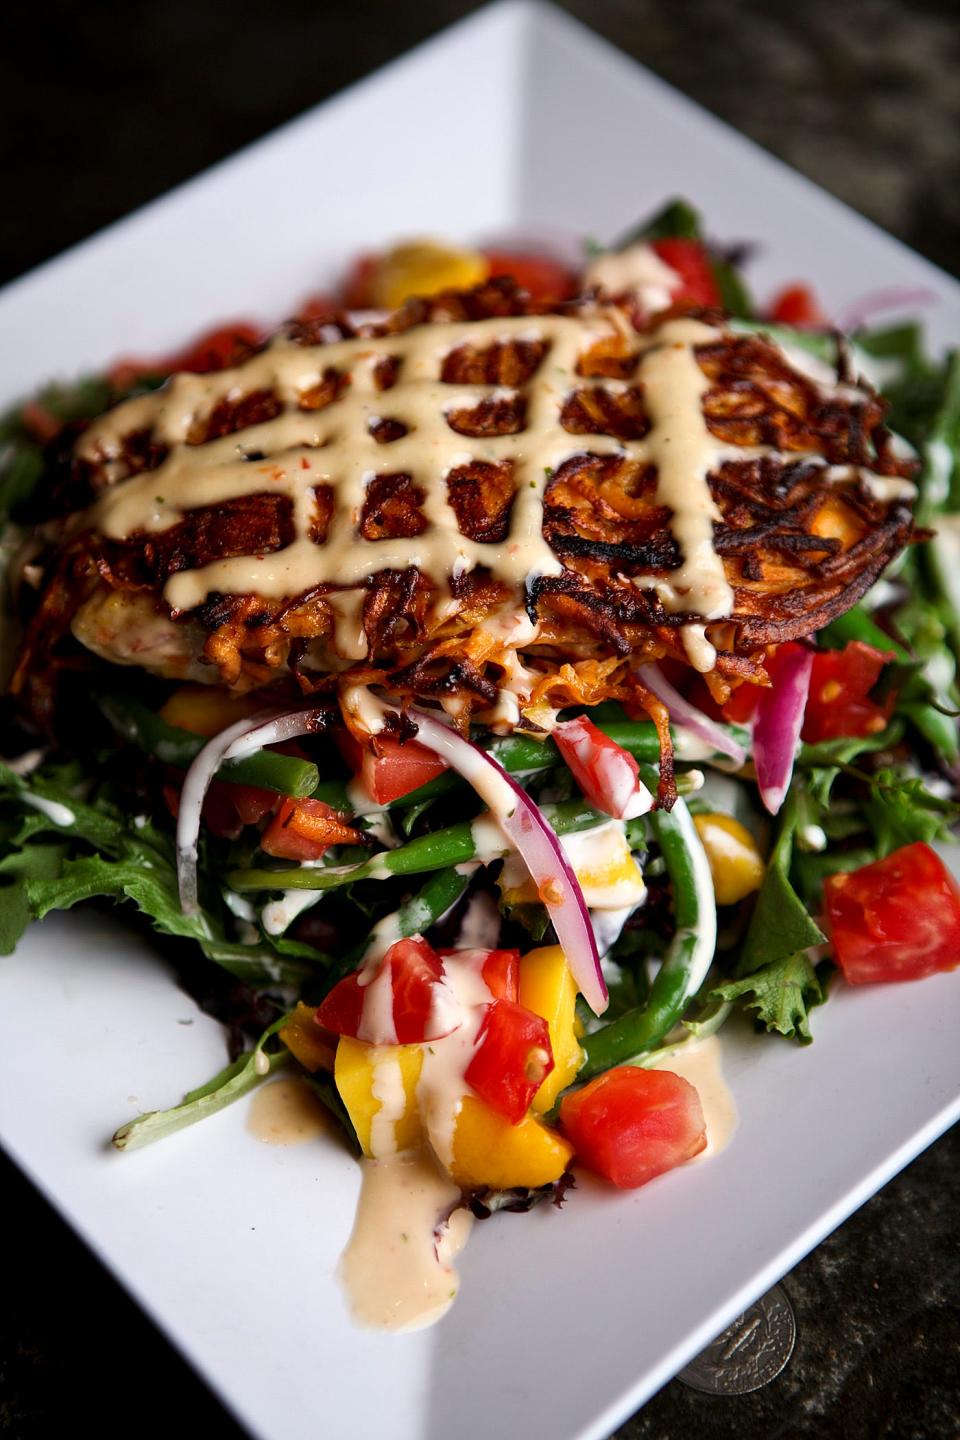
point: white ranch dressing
(388, 1088)
(397, 1269)
(636, 269)
(278, 915)
(286, 1112)
(700, 1062)
(442, 1084)
(54, 810)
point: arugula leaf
(780, 925)
(734, 295)
(227, 1085)
(782, 993)
(676, 218)
(92, 875)
(824, 761)
(902, 811)
(33, 862)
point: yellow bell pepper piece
(355, 1074)
(601, 859)
(424, 267)
(488, 1150)
(735, 861)
(303, 1038)
(548, 989)
(206, 710)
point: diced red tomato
(216, 350)
(42, 424)
(738, 710)
(798, 306)
(250, 802)
(358, 286)
(226, 807)
(390, 768)
(606, 773)
(898, 919)
(415, 971)
(500, 970)
(513, 1057)
(545, 278)
(692, 263)
(839, 702)
(630, 1124)
(316, 307)
(304, 829)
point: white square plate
(565, 1322)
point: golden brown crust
(799, 545)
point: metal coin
(749, 1353)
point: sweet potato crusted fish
(475, 499)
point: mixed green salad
(713, 906)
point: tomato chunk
(251, 802)
(390, 768)
(411, 972)
(216, 350)
(304, 829)
(797, 305)
(513, 1057)
(605, 772)
(543, 277)
(630, 1124)
(500, 970)
(897, 919)
(226, 807)
(839, 703)
(698, 284)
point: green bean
(414, 917)
(140, 726)
(455, 845)
(687, 959)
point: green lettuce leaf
(781, 993)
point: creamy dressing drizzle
(397, 1269)
(389, 1090)
(54, 810)
(334, 447)
(286, 1113)
(700, 1062)
(637, 269)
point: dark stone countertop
(105, 108)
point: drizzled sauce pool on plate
(398, 1269)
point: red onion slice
(777, 722)
(244, 736)
(537, 845)
(688, 715)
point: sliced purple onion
(879, 301)
(688, 715)
(537, 845)
(244, 736)
(777, 722)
